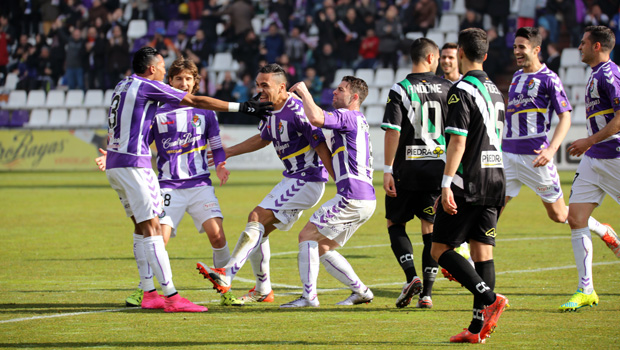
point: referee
(473, 186)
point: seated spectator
(369, 50)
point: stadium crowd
(83, 44)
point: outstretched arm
(580, 146)
(313, 112)
(251, 107)
(252, 144)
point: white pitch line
(288, 286)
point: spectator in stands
(327, 26)
(243, 89)
(366, 7)
(295, 48)
(553, 62)
(208, 24)
(139, 9)
(421, 16)
(499, 10)
(566, 10)
(291, 73)
(351, 30)
(98, 10)
(478, 6)
(164, 45)
(118, 56)
(314, 84)
(614, 24)
(226, 87)
(6, 39)
(19, 49)
(389, 32)
(76, 54)
(283, 10)
(28, 69)
(241, 13)
(50, 10)
(195, 9)
(596, 17)
(116, 18)
(198, 49)
(274, 43)
(369, 50)
(526, 12)
(325, 63)
(247, 53)
(95, 48)
(206, 87)
(497, 55)
(471, 20)
(73, 13)
(181, 42)
(45, 73)
(57, 50)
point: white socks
(582, 249)
(221, 256)
(340, 268)
(146, 275)
(157, 257)
(597, 227)
(260, 266)
(308, 261)
(249, 239)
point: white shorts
(340, 217)
(199, 202)
(594, 178)
(138, 190)
(288, 199)
(543, 180)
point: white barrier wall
(266, 158)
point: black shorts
(407, 204)
(471, 222)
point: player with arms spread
(128, 163)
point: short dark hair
(420, 48)
(603, 35)
(144, 58)
(474, 43)
(275, 69)
(357, 86)
(530, 33)
(181, 64)
(449, 46)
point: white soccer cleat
(409, 290)
(358, 298)
(611, 239)
(302, 302)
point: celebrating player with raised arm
(301, 147)
(128, 163)
(332, 225)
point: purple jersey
(294, 139)
(602, 101)
(351, 153)
(182, 136)
(134, 104)
(532, 97)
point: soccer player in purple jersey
(181, 135)
(598, 172)
(332, 225)
(535, 92)
(301, 147)
(128, 163)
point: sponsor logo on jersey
(430, 210)
(424, 152)
(590, 104)
(453, 99)
(168, 122)
(519, 100)
(196, 121)
(281, 147)
(183, 141)
(491, 159)
(491, 233)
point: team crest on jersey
(280, 128)
(453, 99)
(491, 233)
(429, 210)
(196, 121)
(616, 101)
(563, 103)
(593, 89)
(532, 87)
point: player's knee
(558, 217)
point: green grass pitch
(66, 266)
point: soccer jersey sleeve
(338, 120)
(264, 130)
(458, 112)
(158, 91)
(611, 86)
(393, 115)
(313, 134)
(559, 100)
